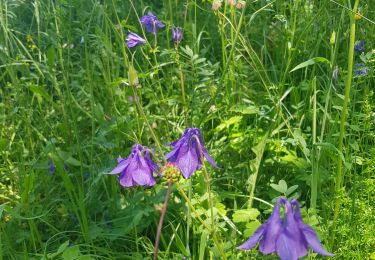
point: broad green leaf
(291, 190)
(231, 121)
(251, 227)
(280, 187)
(311, 62)
(71, 253)
(245, 215)
(245, 109)
(38, 90)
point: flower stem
(343, 117)
(162, 214)
(140, 109)
(214, 237)
(210, 201)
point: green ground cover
(285, 105)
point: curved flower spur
(137, 169)
(188, 152)
(289, 237)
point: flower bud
(216, 4)
(332, 40)
(133, 76)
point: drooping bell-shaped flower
(137, 169)
(177, 34)
(188, 152)
(151, 22)
(289, 237)
(134, 39)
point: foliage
(250, 79)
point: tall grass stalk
(343, 117)
(314, 161)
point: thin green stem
(343, 117)
(314, 179)
(214, 237)
(209, 192)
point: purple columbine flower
(51, 167)
(151, 23)
(359, 46)
(137, 169)
(288, 237)
(361, 69)
(188, 151)
(134, 39)
(177, 34)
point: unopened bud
(332, 40)
(170, 171)
(133, 76)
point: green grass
(64, 96)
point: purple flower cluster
(137, 169)
(289, 237)
(187, 156)
(188, 152)
(151, 24)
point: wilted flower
(216, 4)
(177, 34)
(188, 151)
(137, 169)
(231, 2)
(151, 23)
(335, 73)
(241, 4)
(134, 39)
(359, 46)
(361, 69)
(288, 237)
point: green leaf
(251, 227)
(72, 161)
(62, 247)
(203, 244)
(38, 90)
(231, 121)
(245, 215)
(291, 190)
(245, 109)
(71, 253)
(282, 187)
(311, 62)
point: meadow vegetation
(282, 108)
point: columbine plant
(188, 151)
(289, 237)
(134, 39)
(137, 169)
(177, 34)
(151, 22)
